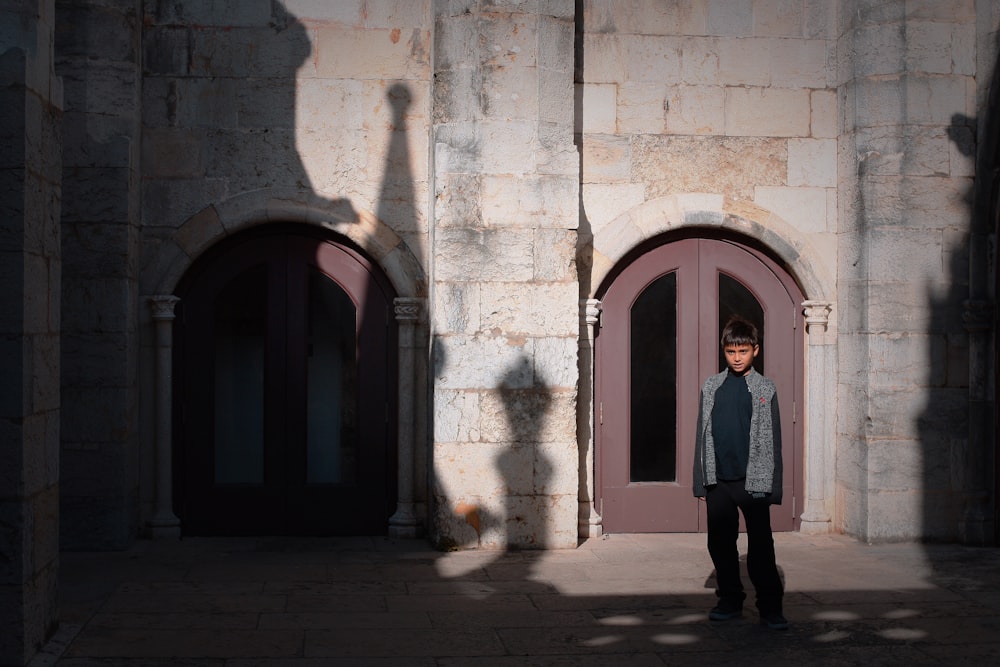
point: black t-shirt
(731, 428)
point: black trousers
(724, 502)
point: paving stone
(635, 599)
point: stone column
(976, 526)
(590, 522)
(164, 523)
(404, 523)
(815, 514)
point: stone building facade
(533, 216)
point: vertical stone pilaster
(590, 523)
(504, 283)
(815, 518)
(30, 340)
(976, 525)
(404, 522)
(164, 523)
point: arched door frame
(755, 227)
(172, 258)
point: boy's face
(740, 358)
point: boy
(737, 467)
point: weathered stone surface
(729, 165)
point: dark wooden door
(658, 340)
(283, 391)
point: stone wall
(505, 294)
(97, 48)
(30, 266)
(908, 87)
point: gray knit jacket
(764, 464)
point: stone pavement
(620, 599)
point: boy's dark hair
(739, 331)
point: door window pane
(653, 373)
(735, 299)
(331, 367)
(240, 328)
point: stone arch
(221, 219)
(629, 230)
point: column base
(816, 527)
(590, 523)
(164, 528)
(404, 524)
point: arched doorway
(284, 376)
(661, 321)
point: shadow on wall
(236, 89)
(953, 428)
(523, 465)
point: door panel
(283, 391)
(661, 323)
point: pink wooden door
(659, 339)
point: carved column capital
(590, 311)
(163, 305)
(408, 309)
(817, 315)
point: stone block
(937, 99)
(653, 59)
(478, 362)
(556, 362)
(384, 13)
(529, 201)
(456, 419)
(804, 208)
(111, 90)
(955, 10)
(602, 203)
(699, 61)
(803, 63)
(510, 93)
(347, 53)
(239, 156)
(929, 47)
(879, 49)
(778, 18)
(535, 414)
(227, 13)
(812, 162)
(555, 255)
(893, 515)
(458, 200)
(767, 112)
(169, 203)
(96, 194)
(732, 166)
(641, 108)
(457, 307)
(695, 110)
(899, 254)
(823, 121)
(166, 50)
(349, 12)
(545, 309)
(484, 255)
(603, 58)
(745, 62)
(729, 18)
(258, 51)
(600, 106)
(173, 153)
(606, 159)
